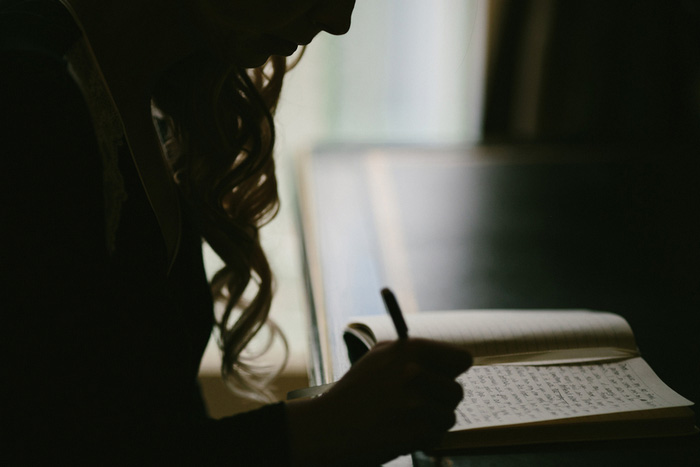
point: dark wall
(611, 71)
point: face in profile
(250, 31)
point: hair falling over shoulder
(220, 148)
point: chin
(252, 62)
(254, 59)
(257, 53)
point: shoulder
(38, 95)
(47, 140)
(41, 25)
(34, 38)
(34, 81)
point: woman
(106, 307)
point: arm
(100, 366)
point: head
(249, 31)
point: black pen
(392, 306)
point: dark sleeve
(94, 366)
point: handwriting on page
(500, 395)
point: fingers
(427, 404)
(442, 357)
(403, 393)
(436, 390)
(428, 380)
(443, 391)
(432, 412)
(437, 356)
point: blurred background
(461, 72)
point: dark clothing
(102, 341)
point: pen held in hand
(392, 306)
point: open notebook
(543, 376)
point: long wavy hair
(220, 144)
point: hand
(398, 398)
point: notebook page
(505, 395)
(520, 335)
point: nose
(333, 16)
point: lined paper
(505, 395)
(510, 333)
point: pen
(392, 306)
